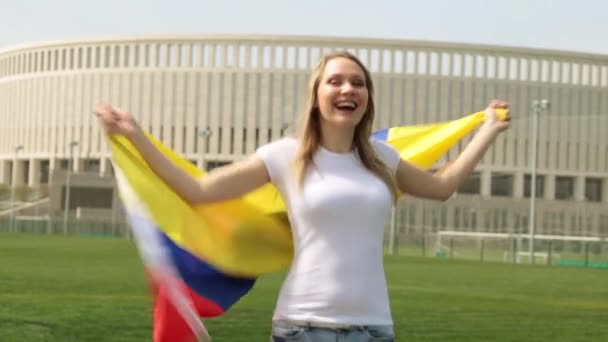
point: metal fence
(497, 230)
(466, 227)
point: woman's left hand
(492, 121)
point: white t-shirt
(337, 219)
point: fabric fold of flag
(201, 260)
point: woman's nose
(347, 88)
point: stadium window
(422, 63)
(266, 57)
(279, 59)
(34, 62)
(25, 171)
(603, 225)
(147, 52)
(44, 171)
(106, 57)
(290, 58)
(71, 59)
(471, 185)
(88, 197)
(468, 66)
(124, 55)
(219, 139)
(116, 56)
(63, 164)
(79, 53)
(433, 63)
(303, 53)
(136, 56)
(492, 67)
(87, 58)
(64, 59)
(502, 185)
(49, 55)
(97, 59)
(213, 164)
(29, 62)
(38, 63)
(92, 165)
(244, 144)
(564, 188)
(593, 189)
(540, 185)
(172, 58)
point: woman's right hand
(116, 121)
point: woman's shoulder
(382, 146)
(284, 143)
(285, 146)
(387, 153)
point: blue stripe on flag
(208, 282)
(381, 135)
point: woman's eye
(334, 81)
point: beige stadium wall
(216, 98)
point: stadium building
(214, 99)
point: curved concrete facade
(216, 98)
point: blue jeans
(288, 332)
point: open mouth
(348, 106)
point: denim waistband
(323, 325)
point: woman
(338, 186)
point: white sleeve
(387, 154)
(275, 156)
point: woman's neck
(337, 140)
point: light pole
(392, 230)
(537, 106)
(66, 204)
(205, 134)
(284, 127)
(12, 227)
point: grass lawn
(71, 289)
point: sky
(568, 25)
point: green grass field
(85, 289)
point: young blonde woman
(338, 186)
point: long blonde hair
(310, 129)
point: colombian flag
(200, 260)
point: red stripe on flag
(168, 324)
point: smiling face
(340, 106)
(342, 94)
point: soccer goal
(515, 248)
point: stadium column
(518, 184)
(605, 190)
(105, 167)
(34, 173)
(78, 164)
(579, 188)
(486, 183)
(549, 187)
(52, 165)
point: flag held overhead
(203, 259)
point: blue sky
(570, 25)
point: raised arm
(441, 185)
(221, 184)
